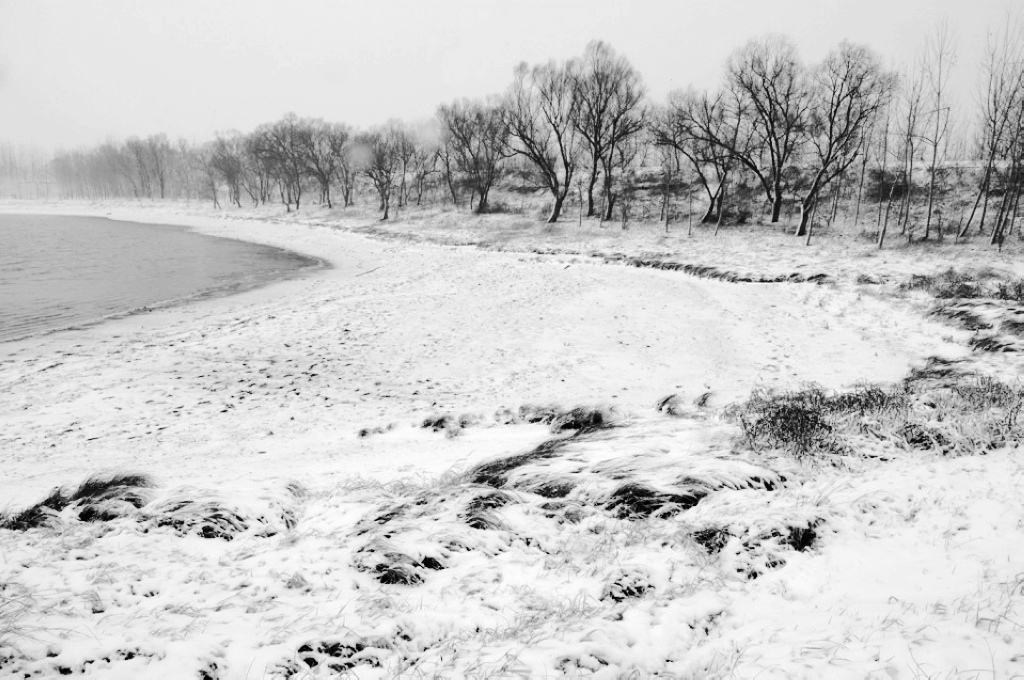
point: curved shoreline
(300, 265)
(314, 262)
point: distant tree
(447, 159)
(688, 124)
(321, 146)
(1002, 94)
(204, 157)
(280, 147)
(772, 87)
(185, 170)
(377, 157)
(847, 90)
(344, 170)
(908, 128)
(226, 157)
(136, 165)
(159, 156)
(476, 135)
(607, 111)
(538, 114)
(938, 62)
(423, 161)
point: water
(61, 272)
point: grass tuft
(634, 501)
(206, 518)
(583, 419)
(98, 499)
(479, 512)
(494, 473)
(935, 410)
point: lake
(59, 272)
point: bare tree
(345, 170)
(477, 137)
(848, 90)
(1003, 88)
(280, 148)
(423, 162)
(204, 158)
(377, 157)
(772, 83)
(538, 114)
(226, 157)
(159, 156)
(938, 62)
(320, 146)
(135, 165)
(607, 112)
(445, 155)
(705, 131)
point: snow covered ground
(301, 523)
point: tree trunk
(709, 214)
(689, 228)
(451, 189)
(556, 209)
(609, 206)
(984, 212)
(776, 206)
(806, 219)
(977, 201)
(721, 208)
(590, 189)
(835, 200)
(666, 206)
(481, 206)
(931, 195)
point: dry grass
(99, 498)
(943, 413)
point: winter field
(481, 446)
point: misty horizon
(73, 77)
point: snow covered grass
(950, 415)
(614, 546)
(747, 525)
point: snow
(251, 406)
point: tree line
(777, 133)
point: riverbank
(364, 542)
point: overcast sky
(76, 72)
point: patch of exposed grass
(495, 473)
(100, 498)
(638, 501)
(953, 284)
(940, 412)
(207, 518)
(967, 319)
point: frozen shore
(260, 398)
(397, 331)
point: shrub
(933, 409)
(793, 421)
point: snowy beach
(394, 332)
(299, 521)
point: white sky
(74, 72)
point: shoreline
(295, 483)
(207, 226)
(304, 265)
(396, 332)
